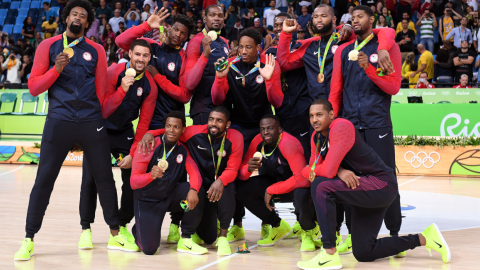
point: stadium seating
(36, 4)
(17, 29)
(15, 5)
(6, 98)
(45, 101)
(25, 5)
(27, 98)
(8, 28)
(5, 5)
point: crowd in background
(438, 39)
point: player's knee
(362, 255)
(150, 251)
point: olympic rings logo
(417, 160)
(477, 92)
(445, 93)
(412, 93)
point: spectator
(427, 23)
(425, 63)
(38, 40)
(121, 29)
(460, 7)
(94, 29)
(257, 27)
(14, 48)
(94, 39)
(473, 4)
(199, 26)
(114, 21)
(386, 14)
(124, 59)
(12, 64)
(374, 9)
(281, 5)
(411, 25)
(47, 12)
(405, 39)
(49, 27)
(4, 41)
(463, 82)
(166, 5)
(460, 34)
(346, 17)
(194, 9)
(151, 3)
(306, 17)
(146, 13)
(25, 47)
(191, 14)
(404, 7)
(269, 14)
(192, 35)
(269, 38)
(26, 68)
(118, 6)
(234, 32)
(180, 6)
(103, 12)
(439, 7)
(133, 20)
(463, 61)
(446, 24)
(230, 18)
(423, 81)
(133, 9)
(250, 16)
(108, 32)
(407, 68)
(207, 3)
(102, 28)
(28, 30)
(300, 34)
(3, 72)
(110, 47)
(382, 22)
(443, 64)
(291, 11)
(112, 59)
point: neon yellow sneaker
(120, 242)
(187, 245)
(339, 239)
(276, 234)
(196, 239)
(345, 247)
(296, 231)
(307, 241)
(436, 242)
(265, 231)
(173, 234)
(316, 232)
(235, 233)
(318, 243)
(218, 227)
(223, 247)
(85, 241)
(322, 261)
(25, 251)
(124, 231)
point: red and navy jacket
(180, 164)
(285, 163)
(365, 96)
(196, 139)
(170, 63)
(200, 71)
(121, 108)
(78, 92)
(296, 99)
(307, 55)
(254, 100)
(345, 148)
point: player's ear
(228, 124)
(372, 19)
(183, 129)
(130, 53)
(258, 47)
(331, 114)
(280, 129)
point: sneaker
(85, 241)
(322, 261)
(345, 247)
(316, 232)
(276, 234)
(223, 247)
(436, 242)
(218, 227)
(187, 245)
(296, 231)
(173, 234)
(120, 242)
(318, 243)
(307, 241)
(265, 231)
(339, 239)
(235, 233)
(124, 231)
(196, 239)
(25, 251)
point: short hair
(366, 9)
(413, 66)
(185, 20)
(177, 114)
(271, 116)
(85, 4)
(424, 72)
(211, 6)
(463, 76)
(283, 14)
(140, 42)
(326, 104)
(405, 20)
(251, 33)
(123, 22)
(330, 8)
(223, 110)
(46, 3)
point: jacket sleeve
(140, 178)
(114, 95)
(386, 38)
(235, 158)
(243, 173)
(196, 63)
(41, 77)
(290, 61)
(390, 83)
(336, 83)
(101, 73)
(274, 87)
(125, 39)
(219, 90)
(194, 176)
(180, 92)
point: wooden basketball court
(450, 202)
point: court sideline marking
(223, 259)
(12, 170)
(410, 181)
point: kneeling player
(335, 179)
(158, 190)
(280, 176)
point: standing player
(346, 170)
(279, 177)
(164, 188)
(76, 83)
(218, 154)
(167, 65)
(126, 96)
(202, 53)
(366, 93)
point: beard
(325, 29)
(76, 29)
(359, 31)
(215, 135)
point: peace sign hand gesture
(157, 17)
(267, 70)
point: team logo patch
(226, 50)
(87, 56)
(223, 154)
(139, 91)
(171, 66)
(259, 79)
(334, 48)
(179, 158)
(374, 58)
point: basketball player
(365, 95)
(160, 188)
(127, 95)
(202, 53)
(76, 83)
(279, 178)
(167, 65)
(218, 171)
(346, 170)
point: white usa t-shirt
(269, 16)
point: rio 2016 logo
(448, 130)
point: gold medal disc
(312, 176)
(320, 78)
(68, 51)
(243, 81)
(130, 72)
(353, 55)
(163, 164)
(258, 155)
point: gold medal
(212, 35)
(163, 164)
(353, 55)
(69, 51)
(130, 72)
(243, 81)
(320, 78)
(258, 155)
(312, 176)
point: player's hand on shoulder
(152, 70)
(147, 144)
(345, 33)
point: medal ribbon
(358, 47)
(269, 154)
(75, 42)
(139, 76)
(255, 68)
(319, 153)
(165, 155)
(321, 60)
(220, 156)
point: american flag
(153, 35)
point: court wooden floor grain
(56, 243)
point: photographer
(12, 64)
(427, 24)
(446, 22)
(423, 81)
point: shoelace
(86, 234)
(24, 243)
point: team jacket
(346, 148)
(254, 100)
(170, 64)
(78, 92)
(296, 98)
(179, 164)
(366, 96)
(285, 163)
(200, 71)
(121, 108)
(196, 139)
(307, 55)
